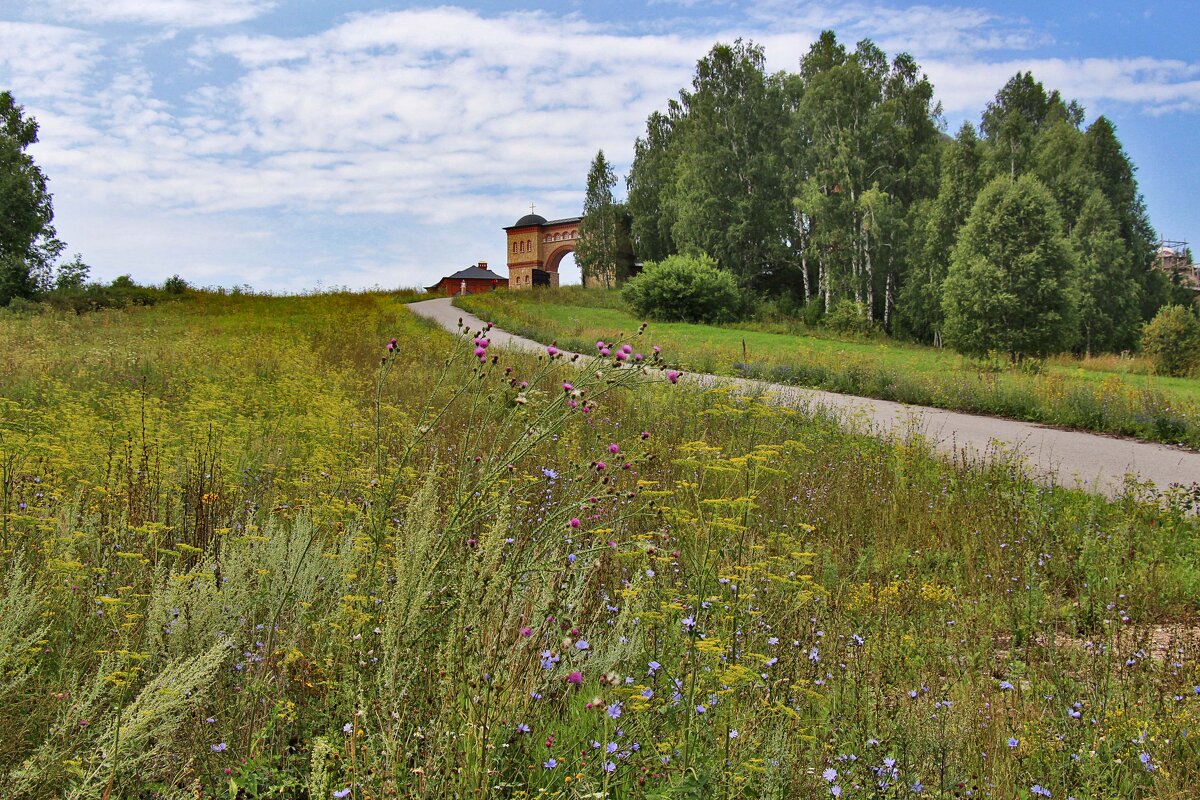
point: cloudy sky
(297, 144)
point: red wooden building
(472, 280)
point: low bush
(685, 289)
(1172, 340)
(850, 317)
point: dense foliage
(1172, 340)
(837, 183)
(684, 289)
(259, 547)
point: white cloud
(1152, 84)
(44, 61)
(174, 13)
(916, 29)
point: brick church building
(472, 280)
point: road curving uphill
(1075, 459)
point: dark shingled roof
(475, 272)
(564, 220)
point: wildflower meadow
(311, 547)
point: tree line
(837, 185)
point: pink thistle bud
(574, 523)
(575, 678)
(526, 631)
(645, 434)
(552, 351)
(626, 349)
(567, 387)
(604, 351)
(621, 356)
(672, 376)
(657, 349)
(600, 345)
(638, 357)
(601, 466)
(481, 352)
(614, 448)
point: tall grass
(251, 552)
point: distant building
(536, 247)
(1175, 259)
(472, 280)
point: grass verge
(1105, 395)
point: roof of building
(530, 219)
(476, 272)
(563, 221)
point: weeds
(251, 551)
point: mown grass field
(1109, 394)
(248, 550)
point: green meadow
(311, 547)
(1108, 394)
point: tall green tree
(728, 199)
(1009, 286)
(602, 250)
(1059, 161)
(869, 126)
(1012, 121)
(1114, 174)
(936, 230)
(28, 245)
(649, 183)
(1109, 296)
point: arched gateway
(536, 247)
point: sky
(300, 145)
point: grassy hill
(250, 547)
(1108, 394)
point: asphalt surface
(1087, 461)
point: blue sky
(297, 144)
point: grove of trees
(837, 183)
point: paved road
(1069, 458)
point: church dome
(530, 219)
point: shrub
(847, 316)
(1172, 340)
(684, 289)
(175, 285)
